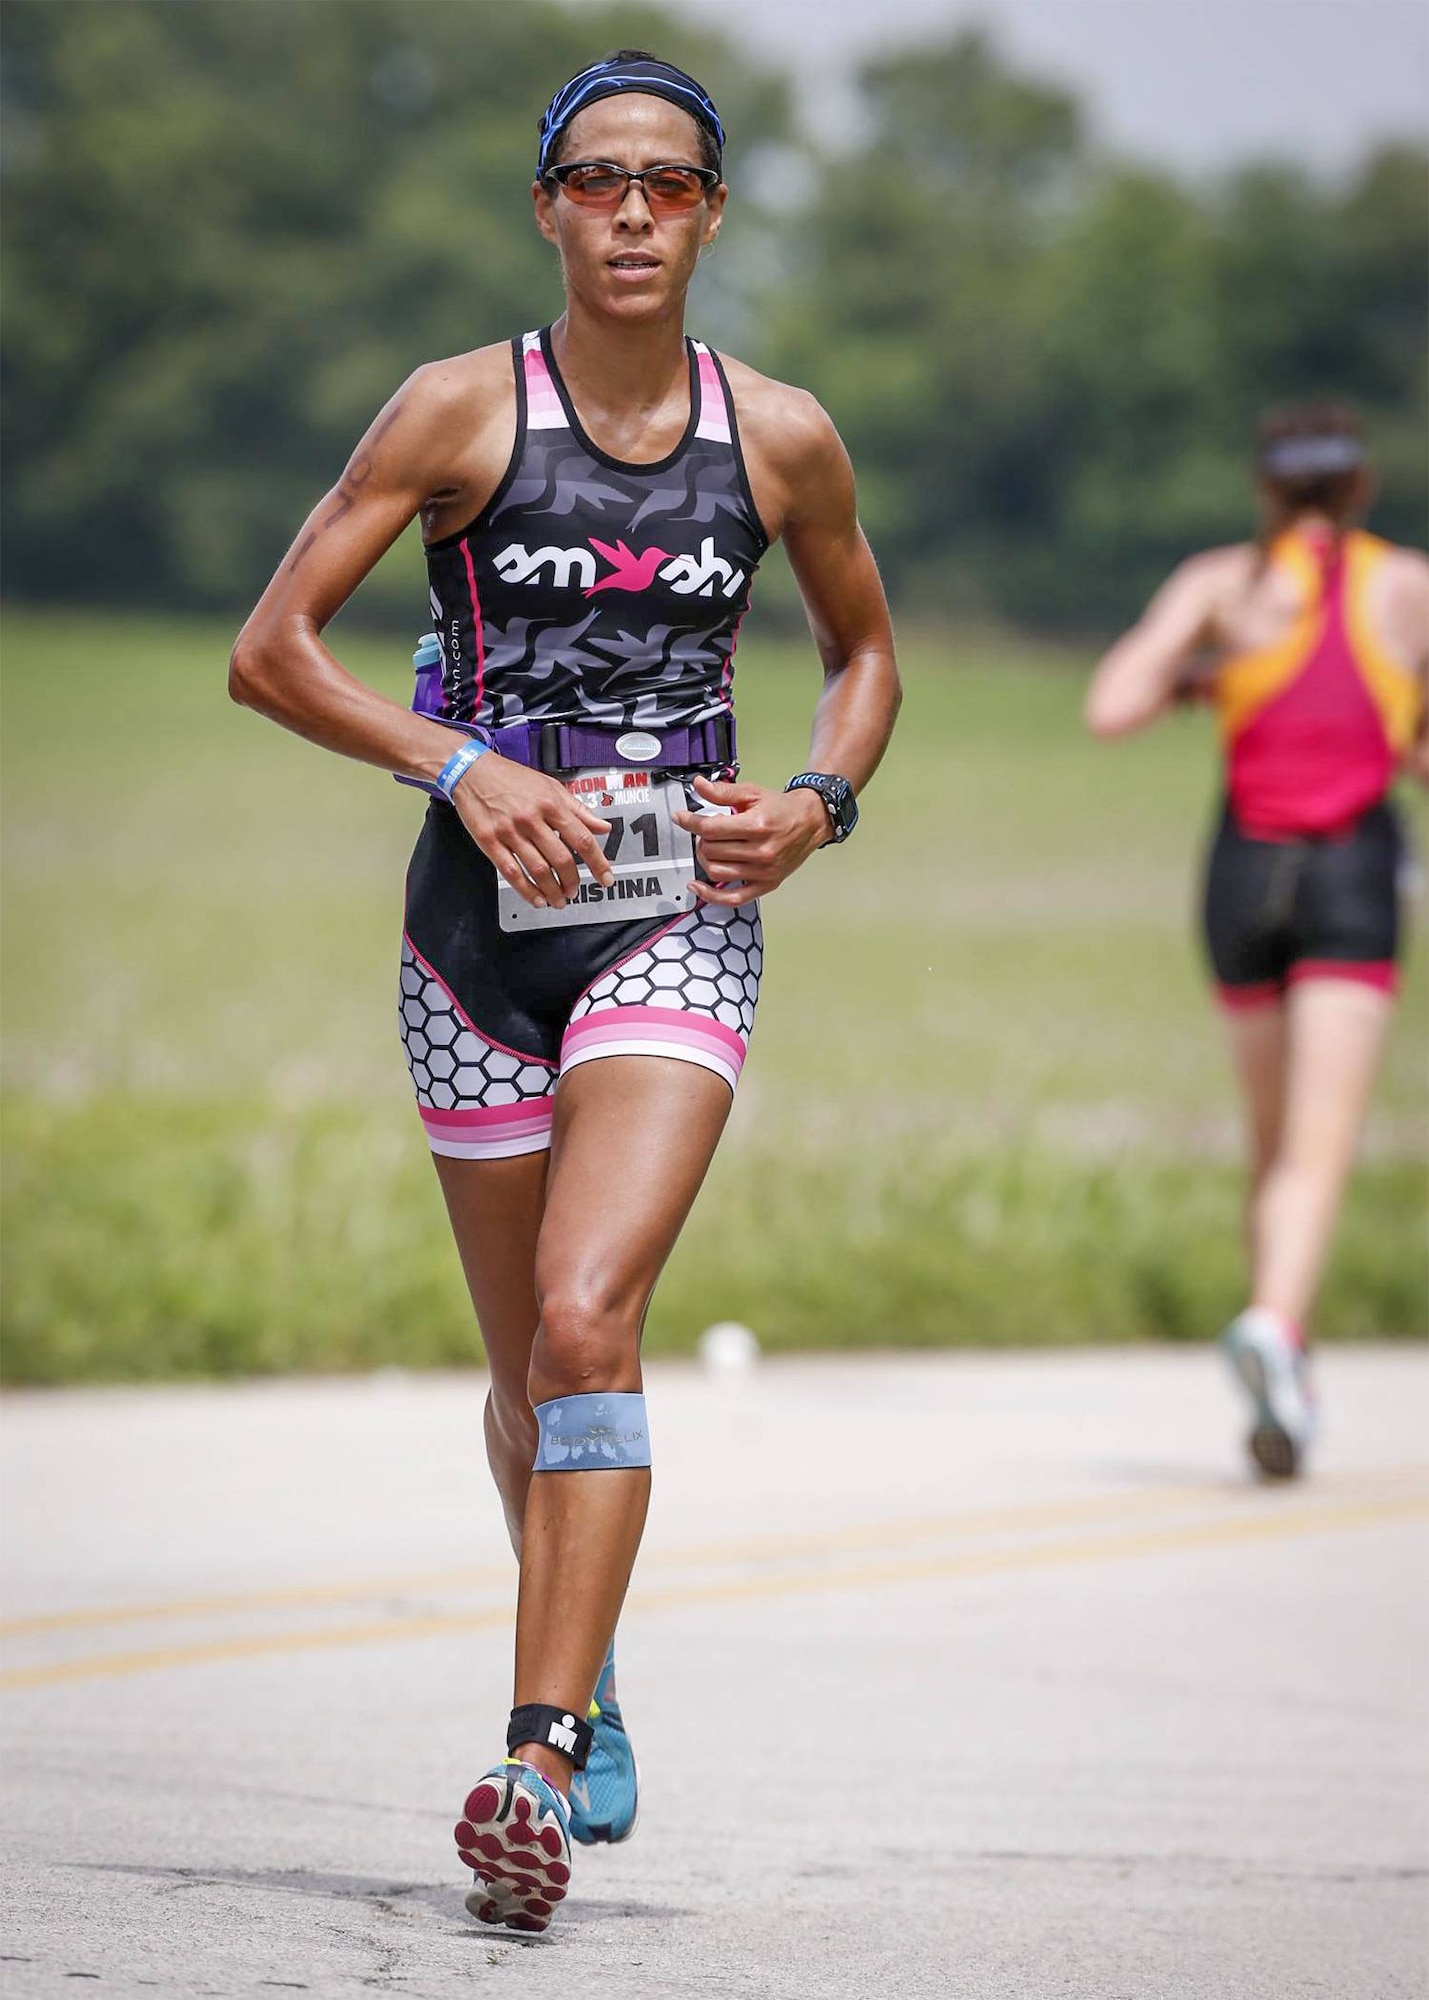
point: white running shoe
(1270, 1365)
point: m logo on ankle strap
(562, 1735)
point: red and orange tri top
(1314, 726)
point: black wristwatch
(837, 795)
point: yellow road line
(117, 1665)
(1053, 1555)
(257, 1600)
(1260, 1527)
(896, 1533)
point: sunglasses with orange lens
(667, 188)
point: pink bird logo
(629, 571)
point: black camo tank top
(591, 590)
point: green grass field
(986, 1101)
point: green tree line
(231, 229)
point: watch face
(837, 795)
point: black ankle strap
(557, 1728)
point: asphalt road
(954, 1676)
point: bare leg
(1259, 1040)
(1336, 1035)
(496, 1208)
(633, 1139)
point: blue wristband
(459, 763)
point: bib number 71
(653, 858)
(645, 829)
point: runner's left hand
(763, 837)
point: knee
(510, 1420)
(588, 1339)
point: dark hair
(1310, 460)
(709, 153)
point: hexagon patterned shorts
(492, 1020)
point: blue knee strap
(603, 1433)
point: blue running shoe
(515, 1838)
(1270, 1365)
(605, 1796)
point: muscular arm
(808, 493)
(280, 666)
(527, 825)
(1136, 681)
(847, 611)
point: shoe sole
(1271, 1446)
(1274, 1451)
(522, 1868)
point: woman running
(582, 944)
(1313, 643)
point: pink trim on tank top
(726, 682)
(714, 417)
(476, 620)
(544, 411)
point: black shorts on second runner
(1314, 908)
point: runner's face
(627, 260)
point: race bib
(653, 859)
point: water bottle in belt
(428, 695)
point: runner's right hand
(530, 829)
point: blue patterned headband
(610, 79)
